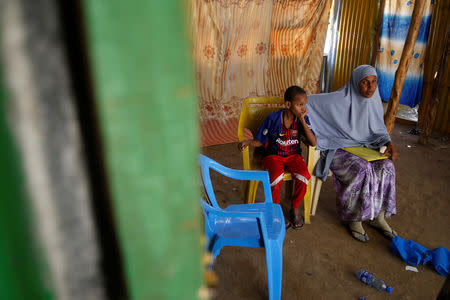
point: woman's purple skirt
(363, 188)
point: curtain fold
(394, 28)
(244, 48)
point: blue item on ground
(415, 254)
(370, 279)
(440, 257)
(409, 251)
(247, 225)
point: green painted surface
(21, 269)
(145, 95)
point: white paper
(411, 268)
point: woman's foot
(358, 232)
(296, 219)
(381, 224)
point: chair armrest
(262, 176)
(240, 174)
(239, 214)
(206, 163)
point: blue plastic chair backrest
(207, 163)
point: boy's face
(298, 105)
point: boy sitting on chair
(280, 135)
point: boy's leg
(274, 164)
(299, 170)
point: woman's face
(367, 86)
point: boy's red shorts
(276, 165)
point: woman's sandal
(361, 237)
(386, 233)
(389, 234)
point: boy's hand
(244, 144)
(248, 135)
(391, 150)
(309, 135)
(249, 140)
(303, 113)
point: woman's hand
(391, 151)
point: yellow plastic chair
(254, 111)
(314, 184)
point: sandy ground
(321, 260)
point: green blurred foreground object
(144, 91)
(20, 276)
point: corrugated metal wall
(357, 31)
(434, 50)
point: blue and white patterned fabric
(394, 28)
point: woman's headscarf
(345, 119)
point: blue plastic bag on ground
(415, 254)
(440, 257)
(409, 251)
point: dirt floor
(321, 260)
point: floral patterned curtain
(245, 48)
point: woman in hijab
(353, 116)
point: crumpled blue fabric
(415, 254)
(440, 257)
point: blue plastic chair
(247, 225)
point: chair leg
(313, 156)
(245, 190)
(253, 186)
(312, 183)
(211, 247)
(211, 261)
(215, 250)
(274, 262)
(316, 194)
(307, 204)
